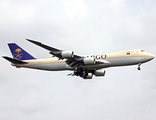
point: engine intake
(67, 54)
(89, 61)
(99, 73)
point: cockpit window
(128, 53)
(142, 50)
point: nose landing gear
(139, 66)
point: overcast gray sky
(86, 27)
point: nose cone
(145, 57)
(150, 56)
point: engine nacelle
(89, 61)
(99, 73)
(67, 54)
(89, 76)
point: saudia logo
(18, 54)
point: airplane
(82, 66)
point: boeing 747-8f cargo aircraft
(83, 66)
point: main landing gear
(81, 72)
(139, 66)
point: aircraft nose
(151, 56)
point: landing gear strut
(139, 66)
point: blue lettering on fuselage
(98, 56)
(103, 56)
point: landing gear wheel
(139, 68)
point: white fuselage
(123, 58)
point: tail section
(18, 53)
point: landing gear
(139, 66)
(78, 71)
(85, 73)
(81, 72)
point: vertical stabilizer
(18, 53)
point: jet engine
(89, 76)
(99, 73)
(67, 54)
(89, 61)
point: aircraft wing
(54, 51)
(74, 61)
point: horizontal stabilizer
(14, 60)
